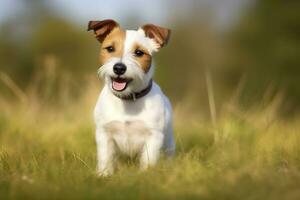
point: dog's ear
(102, 28)
(159, 34)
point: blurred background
(231, 71)
(248, 51)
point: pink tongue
(119, 86)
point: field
(48, 152)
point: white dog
(132, 114)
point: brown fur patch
(130, 127)
(145, 60)
(116, 39)
(102, 28)
(159, 34)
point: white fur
(152, 112)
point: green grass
(51, 154)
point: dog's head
(126, 55)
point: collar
(136, 95)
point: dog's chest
(149, 111)
(129, 124)
(129, 136)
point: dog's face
(126, 56)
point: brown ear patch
(116, 40)
(102, 28)
(144, 60)
(159, 34)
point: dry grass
(48, 152)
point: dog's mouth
(120, 84)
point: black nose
(119, 68)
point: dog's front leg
(105, 153)
(151, 150)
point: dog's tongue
(119, 85)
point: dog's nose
(119, 68)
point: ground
(50, 153)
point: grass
(50, 153)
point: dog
(132, 115)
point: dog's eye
(110, 49)
(139, 53)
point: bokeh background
(45, 43)
(231, 71)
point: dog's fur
(135, 127)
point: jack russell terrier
(132, 115)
